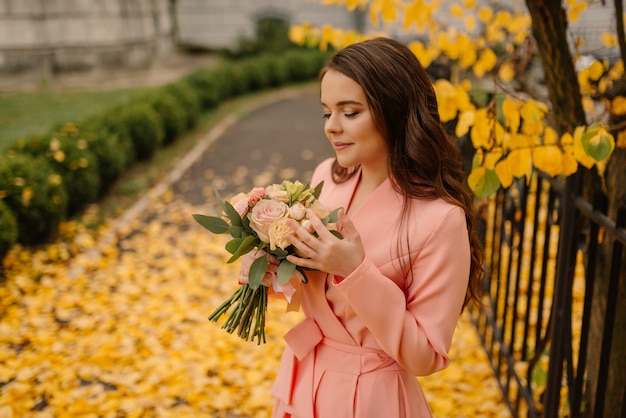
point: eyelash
(348, 115)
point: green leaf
(246, 245)
(597, 144)
(285, 271)
(236, 231)
(220, 201)
(337, 234)
(483, 182)
(212, 223)
(318, 189)
(279, 253)
(334, 215)
(232, 245)
(232, 214)
(257, 271)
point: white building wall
(75, 35)
(216, 24)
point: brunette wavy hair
(423, 161)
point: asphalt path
(279, 140)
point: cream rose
(263, 214)
(319, 209)
(276, 192)
(297, 211)
(277, 231)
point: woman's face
(349, 123)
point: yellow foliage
(621, 139)
(504, 171)
(510, 109)
(596, 70)
(485, 14)
(470, 23)
(575, 8)
(548, 158)
(532, 113)
(485, 63)
(618, 106)
(455, 10)
(520, 161)
(506, 71)
(481, 130)
(419, 14)
(451, 99)
(424, 55)
(466, 120)
(609, 40)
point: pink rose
(258, 192)
(249, 258)
(263, 214)
(242, 206)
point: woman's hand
(326, 252)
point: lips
(339, 146)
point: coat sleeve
(415, 326)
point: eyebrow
(345, 102)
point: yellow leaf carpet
(92, 326)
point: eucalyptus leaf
(246, 245)
(212, 223)
(318, 190)
(232, 245)
(257, 271)
(232, 214)
(220, 201)
(236, 231)
(337, 234)
(334, 215)
(285, 271)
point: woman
(385, 307)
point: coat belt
(308, 349)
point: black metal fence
(551, 299)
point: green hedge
(47, 178)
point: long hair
(423, 160)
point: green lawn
(27, 113)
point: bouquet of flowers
(257, 223)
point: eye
(326, 116)
(351, 115)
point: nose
(332, 125)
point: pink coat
(365, 338)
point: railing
(554, 263)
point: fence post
(566, 259)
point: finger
(347, 228)
(318, 226)
(301, 234)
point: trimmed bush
(112, 123)
(187, 99)
(239, 81)
(257, 75)
(142, 125)
(70, 157)
(8, 230)
(277, 69)
(304, 64)
(207, 84)
(112, 159)
(34, 193)
(172, 115)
